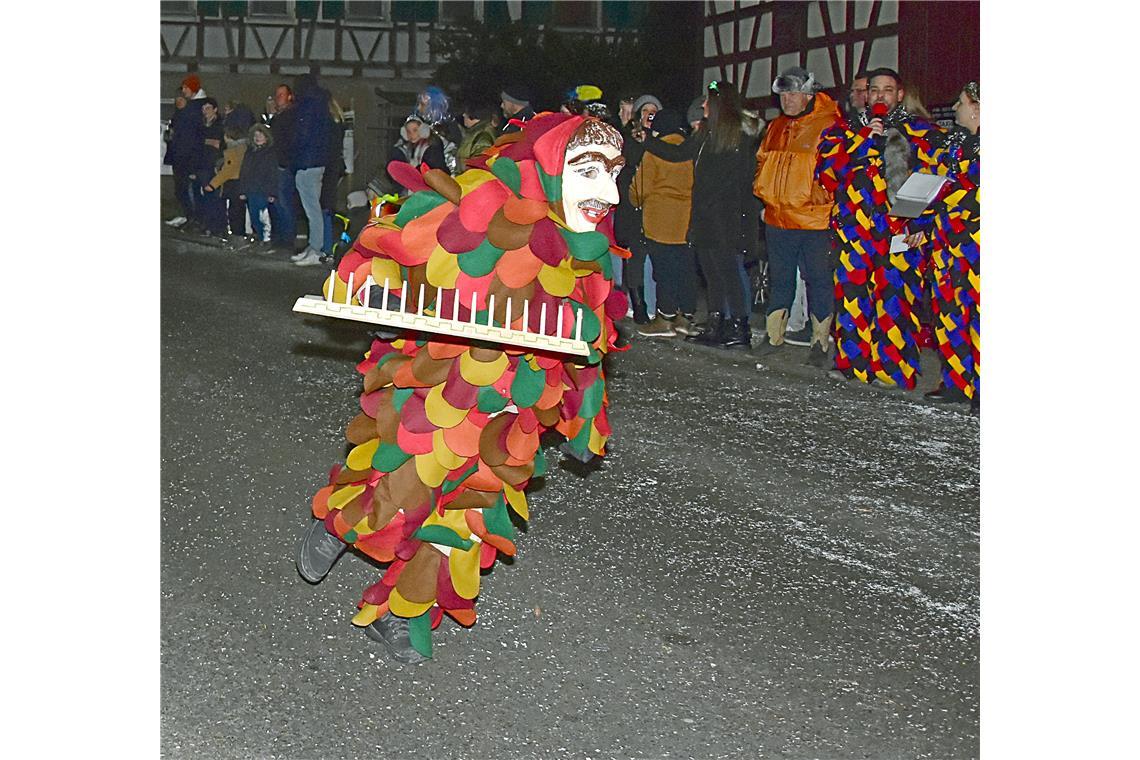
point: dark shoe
(713, 332)
(737, 333)
(767, 349)
(976, 404)
(657, 328)
(817, 355)
(318, 552)
(801, 337)
(392, 632)
(945, 394)
(637, 303)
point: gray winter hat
(696, 110)
(645, 100)
(794, 79)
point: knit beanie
(644, 100)
(192, 83)
(666, 122)
(696, 110)
(520, 96)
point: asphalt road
(768, 563)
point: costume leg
(853, 293)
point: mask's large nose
(609, 191)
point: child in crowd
(664, 192)
(224, 183)
(258, 180)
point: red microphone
(878, 111)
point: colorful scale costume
(876, 290)
(448, 436)
(956, 266)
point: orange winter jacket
(785, 169)
(664, 192)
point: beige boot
(820, 333)
(777, 325)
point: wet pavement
(767, 564)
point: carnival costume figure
(957, 254)
(876, 290)
(448, 435)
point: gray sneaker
(392, 632)
(311, 258)
(300, 255)
(318, 552)
(800, 337)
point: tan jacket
(231, 167)
(785, 169)
(664, 191)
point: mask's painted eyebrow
(592, 156)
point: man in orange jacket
(797, 209)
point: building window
(415, 10)
(575, 13)
(457, 12)
(364, 10)
(177, 9)
(258, 8)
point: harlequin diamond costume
(876, 290)
(448, 435)
(956, 262)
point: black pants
(633, 269)
(235, 208)
(675, 272)
(722, 271)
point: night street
(767, 564)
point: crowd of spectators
(244, 181)
(791, 219)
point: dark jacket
(210, 158)
(186, 137)
(314, 130)
(284, 127)
(627, 217)
(524, 115)
(259, 172)
(725, 213)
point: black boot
(737, 333)
(637, 301)
(713, 332)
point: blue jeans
(309, 188)
(256, 203)
(284, 223)
(676, 276)
(810, 251)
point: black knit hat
(667, 122)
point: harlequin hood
(492, 230)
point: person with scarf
(864, 164)
(956, 260)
